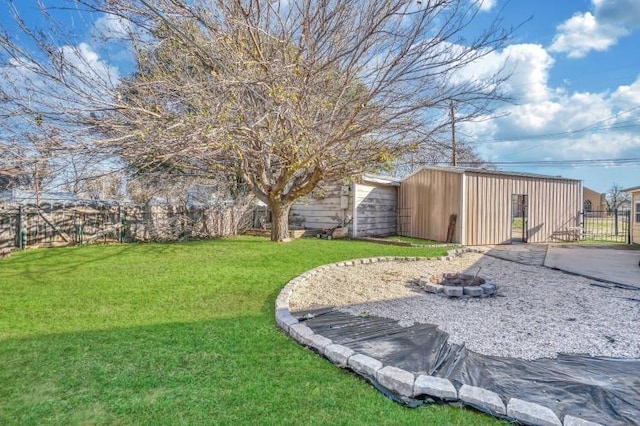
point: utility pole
(454, 158)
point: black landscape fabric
(598, 389)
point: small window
(638, 212)
(587, 206)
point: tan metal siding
(487, 212)
(553, 207)
(426, 201)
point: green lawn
(177, 334)
(412, 240)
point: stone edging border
(402, 382)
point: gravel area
(537, 313)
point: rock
(576, 421)
(397, 380)
(482, 399)
(451, 291)
(488, 288)
(436, 387)
(300, 332)
(338, 354)
(431, 287)
(318, 342)
(530, 413)
(284, 319)
(473, 291)
(364, 365)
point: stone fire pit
(457, 285)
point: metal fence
(22, 227)
(607, 226)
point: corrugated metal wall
(427, 199)
(553, 207)
(377, 206)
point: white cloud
(88, 66)
(597, 31)
(552, 123)
(627, 96)
(110, 27)
(527, 65)
(487, 5)
(583, 33)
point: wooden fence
(23, 227)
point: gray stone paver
(397, 380)
(576, 421)
(301, 333)
(338, 354)
(531, 414)
(436, 387)
(451, 291)
(318, 342)
(473, 291)
(483, 399)
(284, 319)
(365, 365)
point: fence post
(20, 232)
(123, 221)
(615, 213)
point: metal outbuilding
(635, 213)
(483, 207)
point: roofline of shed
(464, 170)
(632, 189)
(384, 180)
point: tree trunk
(279, 221)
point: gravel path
(537, 313)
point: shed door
(519, 218)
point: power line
(551, 163)
(586, 129)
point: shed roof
(632, 189)
(463, 170)
(385, 180)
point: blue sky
(575, 85)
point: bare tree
(616, 198)
(284, 94)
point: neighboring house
(593, 203)
(635, 213)
(369, 206)
(481, 207)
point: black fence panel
(606, 226)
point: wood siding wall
(553, 207)
(322, 211)
(635, 230)
(426, 201)
(377, 206)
